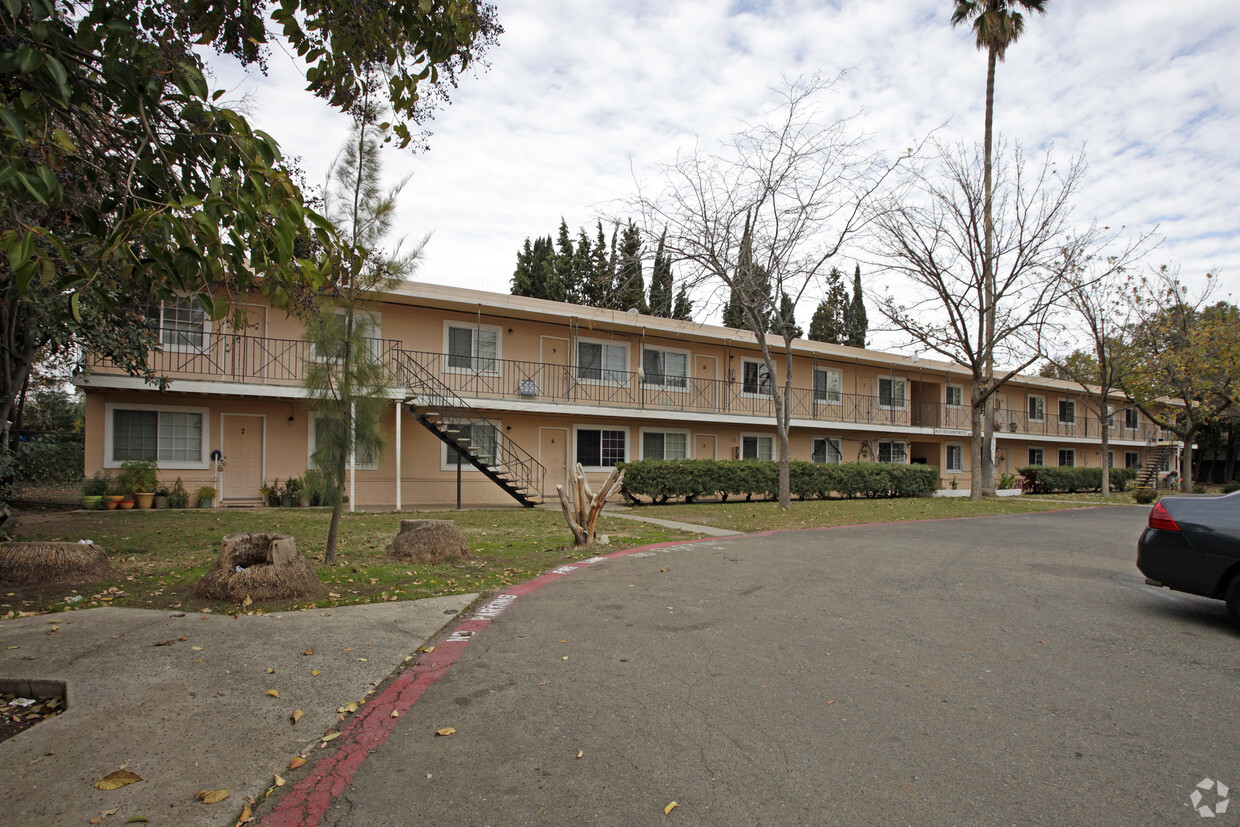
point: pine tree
(830, 322)
(561, 288)
(597, 292)
(542, 268)
(661, 282)
(523, 276)
(683, 309)
(785, 323)
(579, 283)
(858, 323)
(631, 285)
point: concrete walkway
(623, 513)
(184, 701)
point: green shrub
(1048, 479)
(43, 463)
(138, 475)
(1231, 486)
(1144, 496)
(663, 480)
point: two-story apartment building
(524, 388)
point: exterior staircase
(1147, 476)
(438, 409)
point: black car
(1192, 544)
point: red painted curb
(305, 804)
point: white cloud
(580, 93)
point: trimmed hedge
(48, 462)
(1048, 479)
(688, 479)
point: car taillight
(1159, 518)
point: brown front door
(243, 457)
(553, 454)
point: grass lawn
(762, 516)
(160, 555)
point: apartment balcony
(256, 360)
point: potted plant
(161, 497)
(290, 494)
(270, 493)
(112, 499)
(178, 497)
(205, 496)
(94, 488)
(138, 479)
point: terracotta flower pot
(144, 499)
(112, 501)
(126, 504)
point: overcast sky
(583, 95)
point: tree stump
(582, 511)
(39, 563)
(260, 566)
(428, 541)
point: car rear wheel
(1233, 599)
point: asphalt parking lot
(1003, 670)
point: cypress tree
(582, 272)
(522, 277)
(597, 292)
(661, 282)
(559, 289)
(542, 268)
(858, 323)
(830, 322)
(785, 323)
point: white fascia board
(195, 386)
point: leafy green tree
(997, 24)
(347, 376)
(123, 181)
(1186, 350)
(661, 287)
(560, 288)
(856, 322)
(602, 276)
(630, 283)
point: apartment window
(665, 368)
(1110, 417)
(169, 436)
(483, 443)
(665, 445)
(757, 446)
(1037, 409)
(893, 451)
(182, 324)
(474, 349)
(1036, 456)
(601, 447)
(1110, 459)
(1067, 457)
(955, 396)
(828, 386)
(955, 458)
(1067, 411)
(1131, 420)
(319, 426)
(891, 392)
(756, 378)
(603, 362)
(827, 450)
(1132, 459)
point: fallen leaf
(168, 642)
(246, 813)
(211, 796)
(296, 762)
(670, 807)
(106, 813)
(564, 658)
(270, 671)
(331, 736)
(426, 649)
(275, 693)
(309, 651)
(196, 648)
(116, 780)
(445, 730)
(279, 781)
(580, 753)
(296, 716)
(315, 672)
(138, 820)
(830, 701)
(395, 713)
(247, 601)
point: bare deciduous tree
(1097, 296)
(932, 232)
(764, 215)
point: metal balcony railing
(256, 359)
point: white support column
(399, 411)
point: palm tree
(997, 24)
